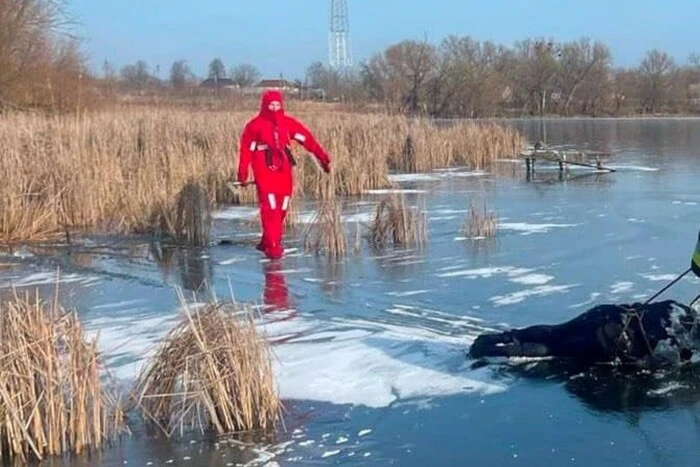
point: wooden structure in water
(565, 158)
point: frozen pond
(370, 352)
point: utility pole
(339, 40)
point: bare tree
(580, 60)
(136, 75)
(373, 79)
(694, 60)
(534, 72)
(625, 90)
(217, 70)
(470, 76)
(244, 75)
(33, 38)
(180, 74)
(400, 74)
(655, 72)
(595, 92)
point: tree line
(464, 77)
(139, 75)
(42, 65)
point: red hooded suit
(265, 145)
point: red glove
(326, 166)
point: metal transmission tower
(339, 41)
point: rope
(627, 320)
(632, 313)
(668, 286)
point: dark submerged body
(662, 332)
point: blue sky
(285, 36)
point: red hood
(268, 97)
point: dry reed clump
(397, 224)
(119, 171)
(52, 400)
(482, 224)
(186, 220)
(212, 372)
(326, 232)
(193, 216)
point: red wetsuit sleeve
(245, 152)
(299, 133)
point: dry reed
(52, 400)
(118, 172)
(212, 373)
(326, 232)
(397, 224)
(193, 216)
(482, 224)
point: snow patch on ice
(621, 287)
(517, 297)
(49, 278)
(529, 229)
(532, 279)
(487, 272)
(659, 277)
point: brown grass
(480, 224)
(326, 232)
(119, 171)
(51, 398)
(212, 373)
(396, 224)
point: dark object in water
(193, 217)
(661, 332)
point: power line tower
(339, 41)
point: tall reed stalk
(480, 224)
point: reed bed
(52, 400)
(480, 224)
(121, 172)
(212, 372)
(397, 224)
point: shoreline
(572, 119)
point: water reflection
(617, 390)
(332, 274)
(196, 270)
(556, 177)
(398, 264)
(194, 265)
(482, 249)
(276, 292)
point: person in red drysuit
(265, 145)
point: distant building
(214, 83)
(280, 84)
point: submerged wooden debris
(564, 158)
